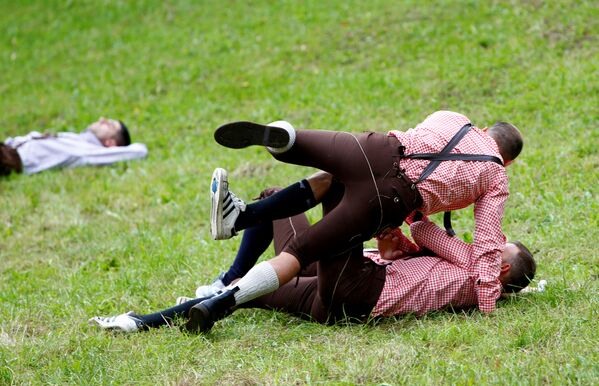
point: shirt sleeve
(110, 155)
(488, 245)
(428, 235)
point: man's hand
(388, 245)
(393, 244)
(267, 193)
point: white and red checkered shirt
(427, 283)
(457, 184)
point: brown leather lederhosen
(344, 286)
(377, 194)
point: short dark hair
(522, 271)
(508, 138)
(122, 137)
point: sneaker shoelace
(106, 319)
(238, 202)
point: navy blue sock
(162, 318)
(254, 243)
(292, 200)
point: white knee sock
(260, 280)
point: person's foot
(212, 289)
(123, 322)
(203, 315)
(225, 207)
(277, 136)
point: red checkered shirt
(457, 184)
(427, 283)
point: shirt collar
(90, 137)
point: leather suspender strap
(434, 162)
(447, 223)
(445, 155)
(456, 157)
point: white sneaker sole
(219, 179)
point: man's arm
(110, 155)
(489, 243)
(428, 235)
(15, 142)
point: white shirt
(69, 150)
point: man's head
(508, 139)
(518, 267)
(110, 132)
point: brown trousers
(377, 193)
(344, 286)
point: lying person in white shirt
(104, 142)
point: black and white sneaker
(212, 289)
(225, 207)
(123, 322)
(277, 136)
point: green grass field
(101, 241)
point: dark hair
(123, 138)
(508, 138)
(522, 271)
(9, 160)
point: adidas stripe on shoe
(225, 207)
